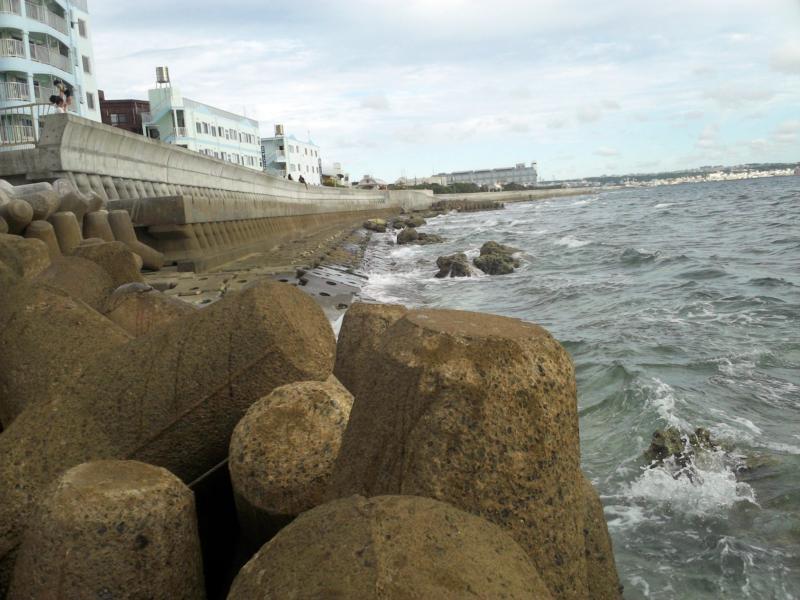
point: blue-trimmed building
(196, 126)
(43, 41)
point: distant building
(125, 114)
(285, 155)
(413, 181)
(368, 182)
(333, 175)
(495, 177)
(205, 129)
(42, 42)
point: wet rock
(428, 238)
(409, 221)
(282, 453)
(139, 309)
(79, 278)
(479, 411)
(48, 339)
(390, 547)
(496, 259)
(672, 443)
(377, 225)
(407, 236)
(26, 258)
(169, 398)
(454, 265)
(112, 529)
(119, 261)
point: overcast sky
(414, 87)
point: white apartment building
(43, 41)
(199, 127)
(520, 173)
(285, 155)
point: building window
(82, 28)
(205, 127)
(87, 66)
(213, 131)
(199, 127)
(119, 119)
(90, 100)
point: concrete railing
(14, 90)
(10, 6)
(12, 47)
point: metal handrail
(12, 47)
(42, 14)
(43, 54)
(21, 125)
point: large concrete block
(71, 199)
(17, 214)
(42, 198)
(122, 228)
(170, 398)
(112, 529)
(26, 258)
(393, 548)
(48, 339)
(601, 569)
(82, 279)
(95, 225)
(282, 454)
(139, 309)
(119, 261)
(68, 231)
(42, 230)
(479, 411)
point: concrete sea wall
(173, 193)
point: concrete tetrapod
(282, 453)
(479, 411)
(140, 309)
(25, 257)
(17, 214)
(169, 398)
(42, 198)
(112, 529)
(95, 224)
(79, 278)
(119, 261)
(122, 228)
(48, 339)
(68, 231)
(392, 548)
(42, 230)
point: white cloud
(605, 151)
(708, 138)
(786, 59)
(379, 102)
(787, 132)
(738, 95)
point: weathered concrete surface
(282, 453)
(42, 230)
(122, 228)
(24, 257)
(139, 309)
(119, 261)
(80, 279)
(17, 214)
(112, 529)
(46, 341)
(68, 231)
(393, 548)
(170, 398)
(476, 410)
(601, 570)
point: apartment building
(200, 127)
(43, 41)
(493, 178)
(285, 155)
(124, 114)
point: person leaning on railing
(63, 100)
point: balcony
(14, 91)
(12, 47)
(50, 56)
(17, 134)
(42, 14)
(43, 93)
(11, 7)
(180, 132)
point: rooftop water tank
(162, 74)
(278, 130)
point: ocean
(680, 306)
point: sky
(416, 87)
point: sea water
(680, 306)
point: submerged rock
(671, 443)
(454, 265)
(407, 236)
(496, 259)
(377, 225)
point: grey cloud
(379, 102)
(608, 152)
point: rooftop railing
(12, 47)
(42, 14)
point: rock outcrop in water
(672, 444)
(410, 235)
(455, 265)
(496, 259)
(376, 225)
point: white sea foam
(571, 242)
(711, 488)
(664, 205)
(664, 400)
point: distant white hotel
(196, 126)
(520, 174)
(285, 155)
(42, 42)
